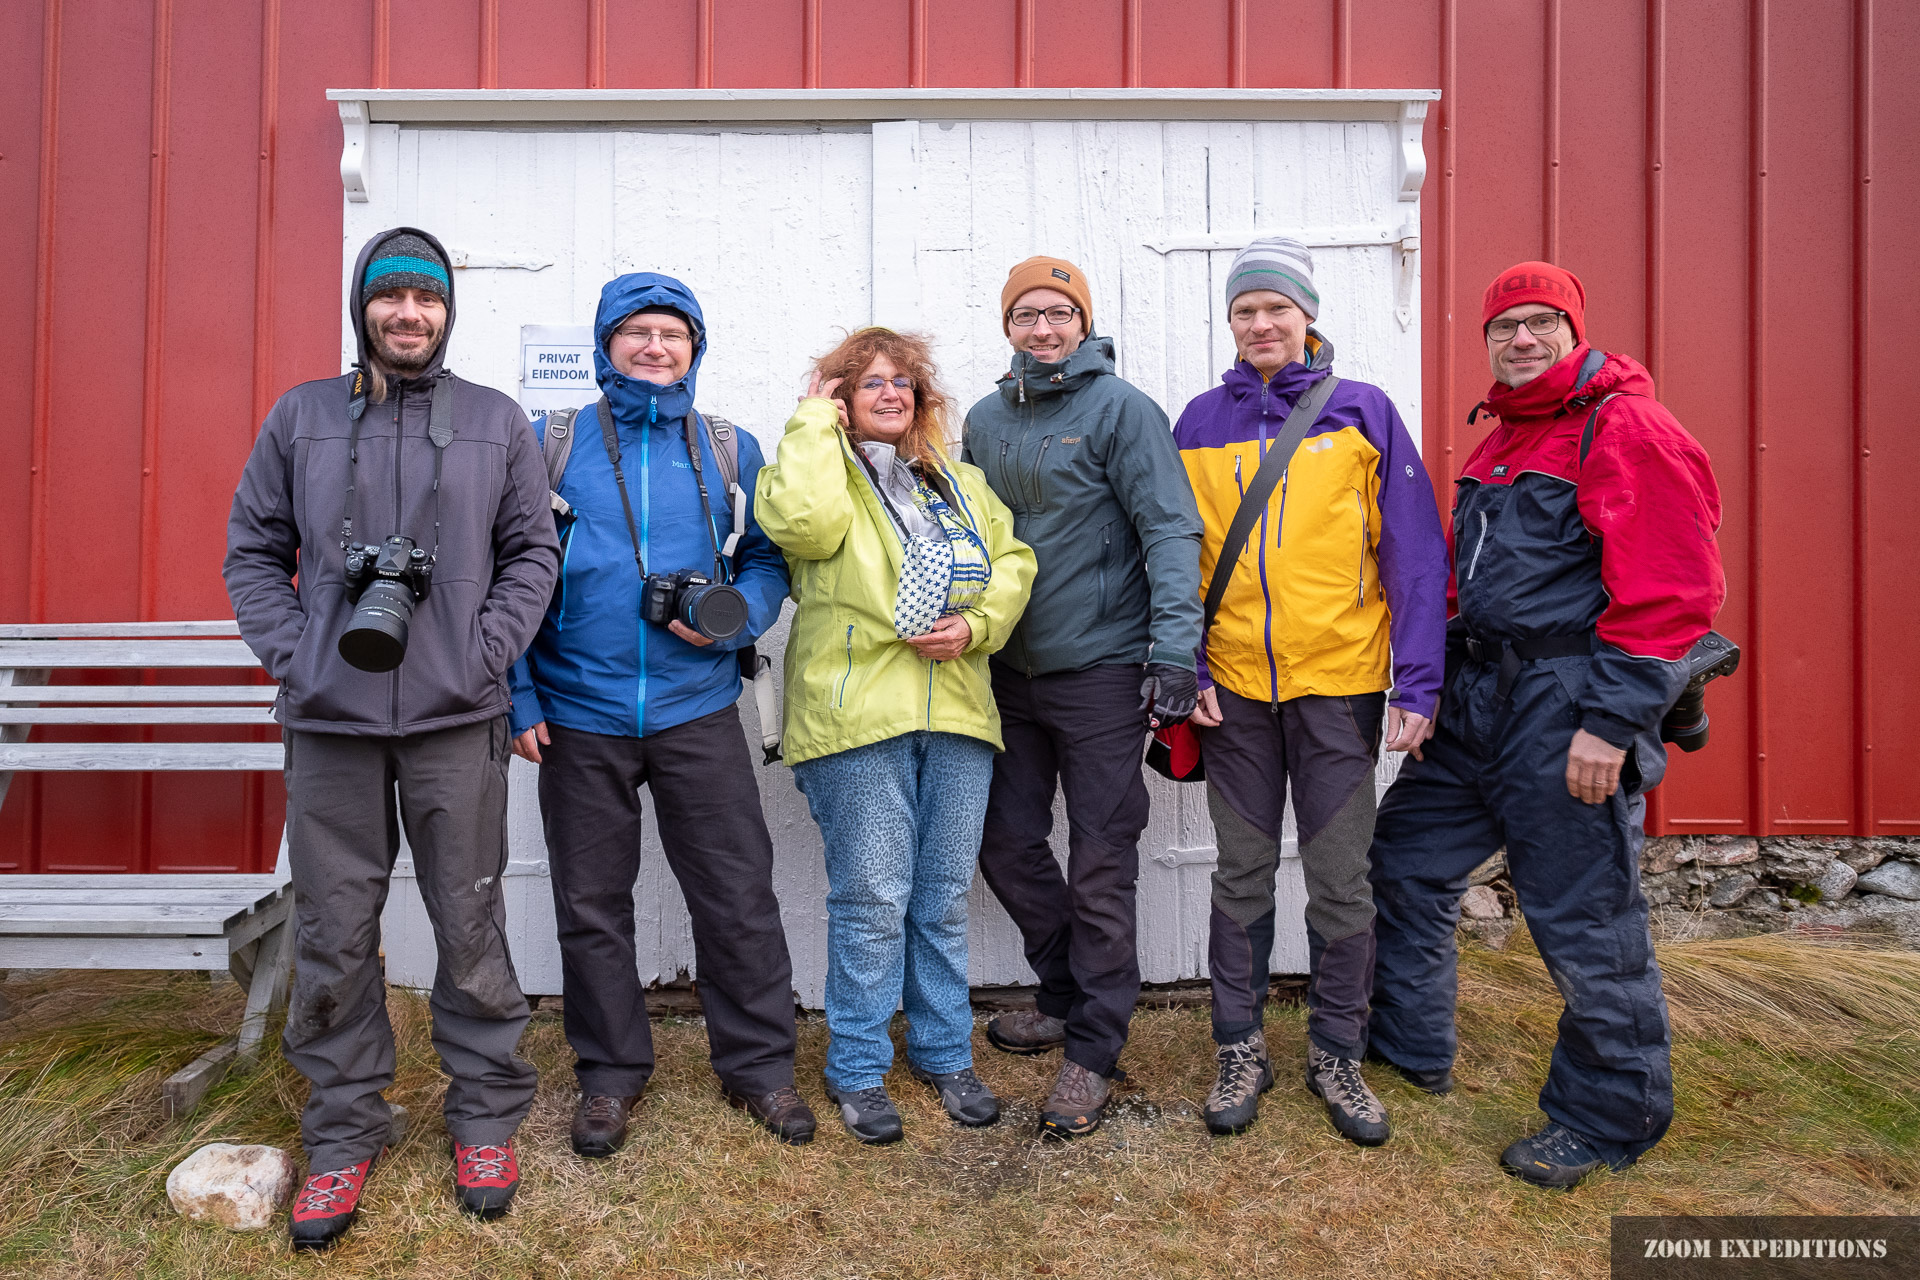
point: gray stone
(1800, 859)
(1481, 903)
(1490, 870)
(1662, 854)
(1836, 882)
(1869, 852)
(1894, 879)
(1726, 851)
(239, 1188)
(1732, 890)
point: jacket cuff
(1610, 729)
(526, 712)
(977, 622)
(1426, 706)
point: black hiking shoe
(1245, 1074)
(964, 1095)
(1556, 1157)
(1435, 1082)
(869, 1114)
(1026, 1033)
(1355, 1111)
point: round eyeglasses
(1027, 317)
(1539, 326)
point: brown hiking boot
(1245, 1074)
(1078, 1100)
(1355, 1111)
(600, 1124)
(1027, 1032)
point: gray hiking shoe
(1245, 1074)
(869, 1114)
(1078, 1101)
(964, 1095)
(1027, 1032)
(1355, 1112)
(1556, 1157)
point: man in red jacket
(1585, 568)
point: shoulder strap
(1593, 419)
(556, 444)
(725, 439)
(1306, 411)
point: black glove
(1169, 694)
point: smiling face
(882, 412)
(404, 327)
(1043, 340)
(653, 346)
(1526, 355)
(1269, 330)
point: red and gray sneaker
(485, 1178)
(327, 1205)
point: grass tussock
(1797, 1067)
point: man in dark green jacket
(1086, 463)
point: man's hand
(527, 745)
(948, 639)
(1168, 695)
(688, 634)
(1206, 711)
(1593, 767)
(1406, 731)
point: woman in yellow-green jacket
(906, 575)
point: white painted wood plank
(896, 199)
(264, 885)
(225, 900)
(140, 756)
(112, 630)
(136, 715)
(155, 918)
(140, 693)
(40, 952)
(126, 653)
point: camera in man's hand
(1685, 724)
(714, 609)
(384, 582)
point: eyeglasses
(1539, 326)
(1027, 317)
(874, 384)
(665, 337)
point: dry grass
(1798, 1070)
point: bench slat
(136, 715)
(106, 895)
(80, 951)
(105, 630)
(140, 756)
(126, 653)
(116, 918)
(45, 693)
(264, 882)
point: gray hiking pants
(343, 834)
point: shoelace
(480, 1167)
(782, 1098)
(324, 1192)
(874, 1099)
(1349, 1088)
(1562, 1145)
(1239, 1072)
(602, 1108)
(965, 1083)
(1078, 1087)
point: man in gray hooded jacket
(397, 447)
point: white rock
(1895, 879)
(1836, 882)
(1481, 903)
(240, 1188)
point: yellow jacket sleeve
(801, 498)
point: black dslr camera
(714, 609)
(384, 582)
(1685, 724)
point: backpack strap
(556, 444)
(1589, 367)
(724, 437)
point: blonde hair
(926, 440)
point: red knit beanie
(1538, 282)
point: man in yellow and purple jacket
(1338, 592)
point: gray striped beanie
(406, 261)
(1276, 263)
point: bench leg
(267, 992)
(182, 1091)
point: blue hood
(634, 400)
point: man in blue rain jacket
(605, 703)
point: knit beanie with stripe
(406, 262)
(1277, 263)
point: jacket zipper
(399, 448)
(1106, 551)
(1039, 469)
(841, 701)
(1365, 531)
(1478, 547)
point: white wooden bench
(238, 923)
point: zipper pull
(653, 409)
(1021, 387)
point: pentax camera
(714, 609)
(1685, 724)
(384, 582)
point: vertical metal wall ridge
(1655, 286)
(253, 791)
(382, 43)
(1761, 815)
(810, 44)
(1550, 189)
(1023, 51)
(1864, 816)
(37, 480)
(703, 46)
(489, 44)
(1237, 44)
(1130, 20)
(160, 122)
(917, 44)
(1440, 404)
(597, 45)
(1342, 44)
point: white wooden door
(793, 235)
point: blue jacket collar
(636, 402)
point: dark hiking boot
(327, 1205)
(1434, 1082)
(964, 1095)
(1555, 1157)
(1077, 1103)
(869, 1114)
(600, 1124)
(1245, 1074)
(485, 1178)
(782, 1113)
(1027, 1032)
(1355, 1112)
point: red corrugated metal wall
(1734, 180)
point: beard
(405, 361)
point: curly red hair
(927, 440)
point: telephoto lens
(385, 582)
(716, 610)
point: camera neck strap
(439, 430)
(612, 439)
